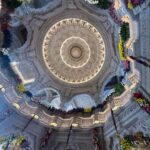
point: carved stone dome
(73, 51)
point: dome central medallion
(76, 52)
(73, 51)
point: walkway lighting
(53, 124)
(16, 105)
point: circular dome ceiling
(73, 51)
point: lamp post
(115, 125)
(114, 121)
(30, 120)
(68, 137)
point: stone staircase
(79, 140)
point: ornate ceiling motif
(73, 51)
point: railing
(58, 118)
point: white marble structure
(37, 67)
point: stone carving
(73, 51)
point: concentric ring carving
(73, 51)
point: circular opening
(76, 52)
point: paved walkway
(142, 47)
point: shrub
(130, 6)
(104, 4)
(119, 88)
(29, 94)
(12, 4)
(20, 140)
(87, 110)
(121, 49)
(21, 88)
(124, 32)
(125, 145)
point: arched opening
(21, 32)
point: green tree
(13, 4)
(125, 145)
(124, 32)
(119, 88)
(104, 4)
(21, 88)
